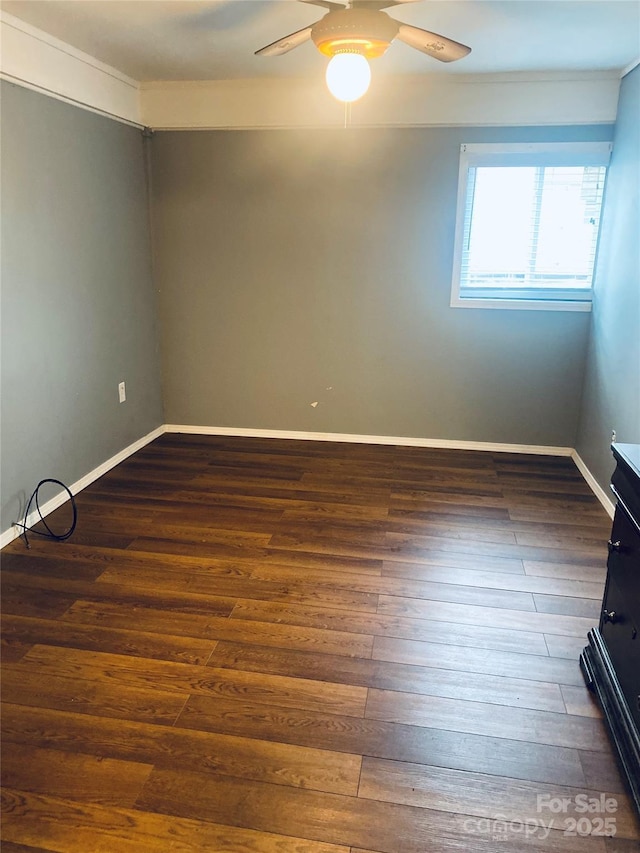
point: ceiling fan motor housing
(362, 31)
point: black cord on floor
(58, 537)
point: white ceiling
(215, 39)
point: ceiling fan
(350, 34)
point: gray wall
(78, 307)
(611, 397)
(290, 262)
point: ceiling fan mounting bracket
(356, 30)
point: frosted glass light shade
(348, 76)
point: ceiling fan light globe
(348, 76)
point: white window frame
(518, 154)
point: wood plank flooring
(266, 646)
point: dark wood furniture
(611, 661)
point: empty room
(320, 426)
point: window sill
(520, 304)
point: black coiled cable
(58, 537)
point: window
(527, 225)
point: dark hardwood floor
(266, 646)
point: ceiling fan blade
(435, 45)
(284, 45)
(326, 4)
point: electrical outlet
(122, 392)
(613, 436)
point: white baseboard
(13, 532)
(593, 484)
(441, 443)
(404, 441)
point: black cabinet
(620, 620)
(611, 661)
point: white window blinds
(528, 222)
